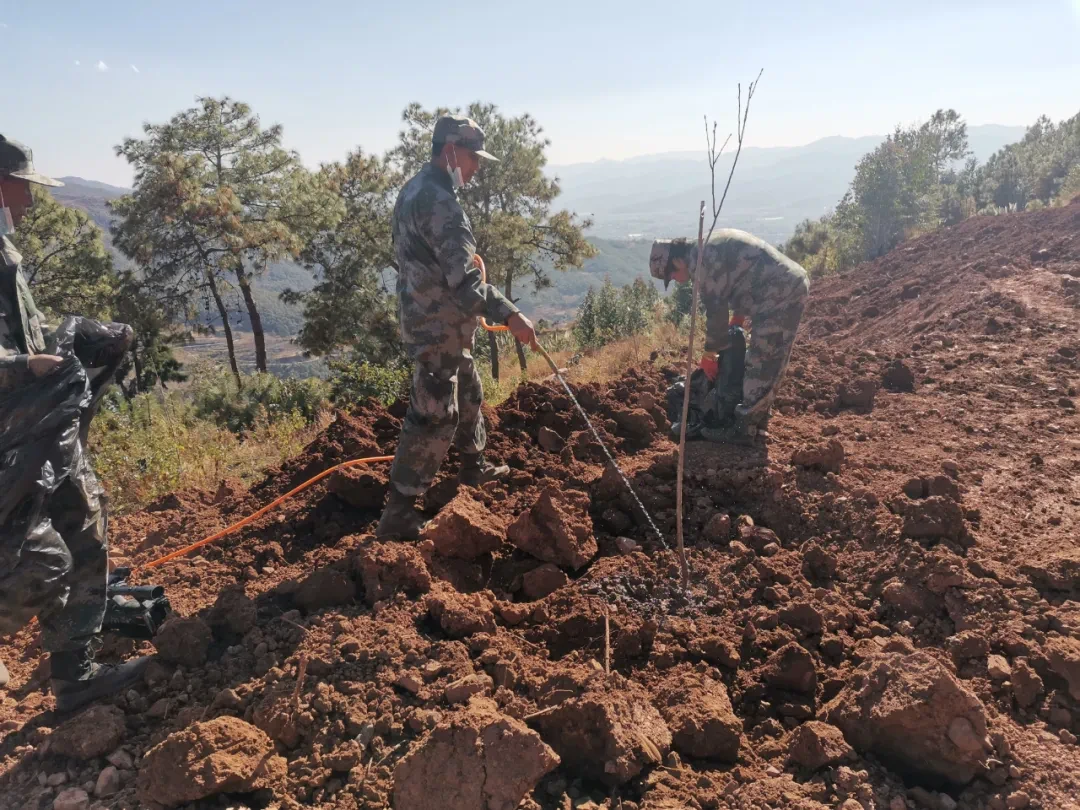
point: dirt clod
(792, 668)
(360, 487)
(827, 457)
(898, 377)
(556, 529)
(465, 529)
(325, 588)
(93, 733)
(71, 799)
(914, 714)
(1026, 684)
(224, 755)
(815, 744)
(460, 614)
(184, 640)
(542, 580)
(698, 712)
(477, 759)
(609, 733)
(386, 568)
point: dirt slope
(893, 620)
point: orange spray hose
(479, 262)
(269, 507)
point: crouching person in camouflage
(440, 296)
(53, 552)
(744, 274)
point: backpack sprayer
(134, 611)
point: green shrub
(216, 398)
(352, 382)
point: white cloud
(3, 25)
(101, 66)
(77, 63)
(134, 69)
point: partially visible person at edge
(750, 277)
(58, 573)
(440, 296)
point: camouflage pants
(772, 338)
(444, 407)
(55, 567)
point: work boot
(400, 518)
(77, 680)
(476, 471)
(4, 676)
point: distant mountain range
(773, 190)
(631, 203)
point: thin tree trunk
(211, 282)
(493, 346)
(254, 317)
(510, 297)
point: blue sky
(605, 79)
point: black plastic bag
(44, 423)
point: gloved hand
(710, 365)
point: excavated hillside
(883, 610)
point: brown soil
(886, 598)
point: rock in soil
(460, 614)
(915, 715)
(386, 568)
(826, 457)
(224, 755)
(477, 759)
(543, 580)
(609, 733)
(792, 668)
(184, 640)
(1064, 654)
(718, 529)
(72, 799)
(815, 744)
(998, 668)
(556, 528)
(698, 712)
(360, 487)
(325, 588)
(465, 529)
(108, 782)
(93, 733)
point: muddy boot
(77, 680)
(476, 471)
(4, 676)
(400, 518)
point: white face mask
(455, 172)
(7, 224)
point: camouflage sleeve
(452, 238)
(14, 370)
(716, 324)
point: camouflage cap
(17, 160)
(662, 256)
(463, 132)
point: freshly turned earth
(883, 607)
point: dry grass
(143, 453)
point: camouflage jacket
(20, 321)
(440, 294)
(748, 276)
